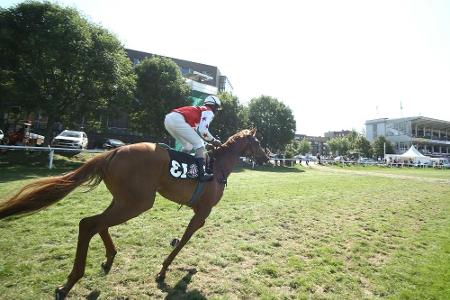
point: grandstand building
(203, 79)
(430, 136)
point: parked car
(2, 135)
(112, 143)
(71, 139)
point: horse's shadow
(179, 290)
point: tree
(110, 81)
(297, 147)
(56, 62)
(230, 119)
(378, 147)
(274, 121)
(304, 146)
(357, 145)
(160, 88)
(362, 146)
(291, 149)
(339, 145)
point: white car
(2, 135)
(71, 139)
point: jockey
(189, 126)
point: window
(185, 70)
(402, 146)
(397, 128)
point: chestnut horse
(133, 174)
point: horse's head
(253, 148)
(243, 143)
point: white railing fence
(50, 150)
(274, 161)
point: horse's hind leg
(117, 213)
(197, 221)
(110, 250)
(109, 247)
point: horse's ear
(253, 131)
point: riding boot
(209, 163)
(202, 176)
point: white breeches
(183, 132)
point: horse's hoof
(60, 293)
(161, 276)
(106, 267)
(174, 242)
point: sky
(335, 64)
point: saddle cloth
(182, 165)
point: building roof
(417, 120)
(430, 122)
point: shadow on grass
(25, 165)
(93, 295)
(179, 291)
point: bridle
(253, 143)
(249, 151)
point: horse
(133, 174)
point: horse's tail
(47, 191)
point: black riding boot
(202, 177)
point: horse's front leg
(197, 222)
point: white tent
(411, 155)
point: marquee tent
(411, 155)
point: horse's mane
(232, 140)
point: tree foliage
(297, 147)
(339, 145)
(160, 88)
(353, 144)
(230, 119)
(362, 146)
(274, 121)
(291, 149)
(378, 147)
(304, 146)
(56, 62)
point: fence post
(50, 159)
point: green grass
(284, 233)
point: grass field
(282, 233)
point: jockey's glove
(216, 142)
